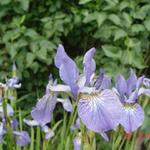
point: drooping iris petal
(31, 122)
(67, 105)
(144, 91)
(89, 65)
(121, 85)
(22, 138)
(48, 133)
(69, 74)
(132, 117)
(43, 111)
(100, 112)
(77, 143)
(60, 88)
(131, 82)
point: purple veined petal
(146, 82)
(104, 135)
(121, 84)
(100, 111)
(139, 81)
(77, 143)
(144, 91)
(69, 74)
(60, 88)
(89, 64)
(22, 138)
(43, 111)
(30, 122)
(131, 82)
(132, 117)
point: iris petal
(22, 138)
(132, 117)
(121, 85)
(69, 74)
(42, 113)
(89, 64)
(100, 112)
(131, 82)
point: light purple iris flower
(44, 108)
(13, 83)
(98, 107)
(48, 133)
(22, 138)
(128, 91)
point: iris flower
(99, 108)
(128, 91)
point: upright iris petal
(132, 117)
(102, 82)
(121, 85)
(67, 69)
(100, 112)
(69, 74)
(42, 113)
(131, 82)
(89, 64)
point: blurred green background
(30, 31)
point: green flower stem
(8, 122)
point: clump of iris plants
(9, 129)
(97, 106)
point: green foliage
(31, 30)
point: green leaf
(147, 23)
(24, 4)
(101, 17)
(136, 28)
(127, 19)
(119, 34)
(90, 17)
(115, 19)
(112, 51)
(30, 58)
(84, 1)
